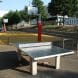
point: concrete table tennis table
(42, 50)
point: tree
(24, 14)
(41, 8)
(0, 1)
(73, 7)
(63, 7)
(13, 17)
(16, 17)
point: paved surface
(10, 67)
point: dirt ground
(10, 67)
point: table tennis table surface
(45, 51)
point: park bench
(42, 50)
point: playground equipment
(39, 51)
(32, 10)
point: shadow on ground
(9, 60)
(58, 74)
(47, 73)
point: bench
(42, 50)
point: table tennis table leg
(63, 43)
(19, 55)
(77, 47)
(57, 62)
(33, 67)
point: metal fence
(71, 21)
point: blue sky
(17, 4)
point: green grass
(49, 26)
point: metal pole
(4, 28)
(39, 28)
(77, 47)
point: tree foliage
(24, 14)
(41, 8)
(13, 17)
(63, 7)
(0, 1)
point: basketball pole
(39, 28)
(4, 28)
